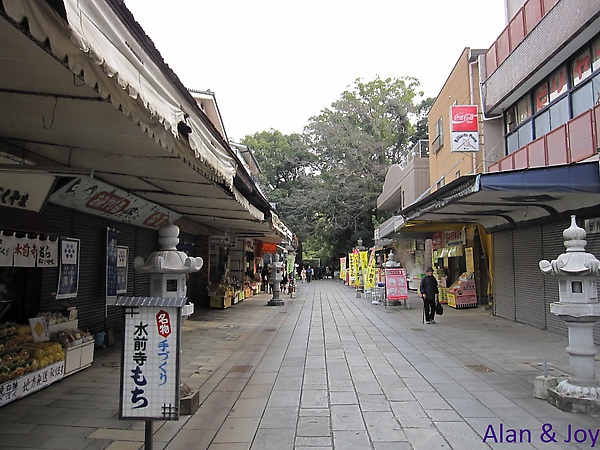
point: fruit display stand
(462, 294)
(78, 346)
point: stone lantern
(276, 277)
(578, 306)
(168, 267)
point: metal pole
(148, 436)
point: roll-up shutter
(593, 247)
(504, 288)
(529, 282)
(553, 246)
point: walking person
(429, 291)
(303, 274)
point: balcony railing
(525, 20)
(572, 142)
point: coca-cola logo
(463, 117)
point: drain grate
(417, 329)
(478, 368)
(270, 330)
(241, 369)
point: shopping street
(326, 370)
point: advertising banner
(396, 286)
(68, 279)
(464, 127)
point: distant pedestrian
(429, 291)
(303, 275)
(309, 274)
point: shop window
(510, 119)
(541, 96)
(438, 142)
(525, 134)
(558, 83)
(596, 54)
(512, 143)
(559, 113)
(441, 183)
(523, 109)
(581, 67)
(582, 99)
(542, 124)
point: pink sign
(396, 286)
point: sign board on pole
(396, 285)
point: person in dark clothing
(429, 291)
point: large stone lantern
(276, 277)
(578, 306)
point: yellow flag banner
(371, 272)
(352, 269)
(343, 268)
(364, 259)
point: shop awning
(502, 200)
(84, 88)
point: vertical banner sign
(150, 368)
(111, 266)
(396, 286)
(68, 277)
(464, 127)
(7, 250)
(122, 253)
(343, 268)
(370, 273)
(25, 252)
(47, 255)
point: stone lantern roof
(168, 259)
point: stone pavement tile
(314, 398)
(270, 439)
(207, 419)
(279, 417)
(418, 385)
(427, 438)
(493, 400)
(431, 400)
(229, 446)
(392, 446)
(256, 391)
(452, 390)
(119, 435)
(460, 435)
(351, 440)
(415, 422)
(312, 426)
(289, 383)
(249, 407)
(192, 439)
(284, 398)
(398, 393)
(346, 417)
(50, 430)
(410, 408)
(444, 415)
(237, 430)
(367, 388)
(318, 442)
(265, 377)
(377, 402)
(117, 445)
(337, 384)
(470, 408)
(343, 398)
(309, 412)
(383, 427)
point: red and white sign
(396, 285)
(464, 127)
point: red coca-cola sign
(463, 118)
(163, 323)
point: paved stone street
(327, 370)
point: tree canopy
(325, 181)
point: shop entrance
(19, 293)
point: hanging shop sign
(95, 197)
(455, 238)
(25, 191)
(464, 127)
(150, 367)
(16, 251)
(68, 280)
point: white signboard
(31, 382)
(150, 368)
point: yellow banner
(370, 273)
(343, 268)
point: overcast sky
(274, 64)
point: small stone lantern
(276, 277)
(578, 306)
(168, 267)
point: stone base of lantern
(572, 398)
(189, 400)
(275, 302)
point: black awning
(23, 220)
(508, 199)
